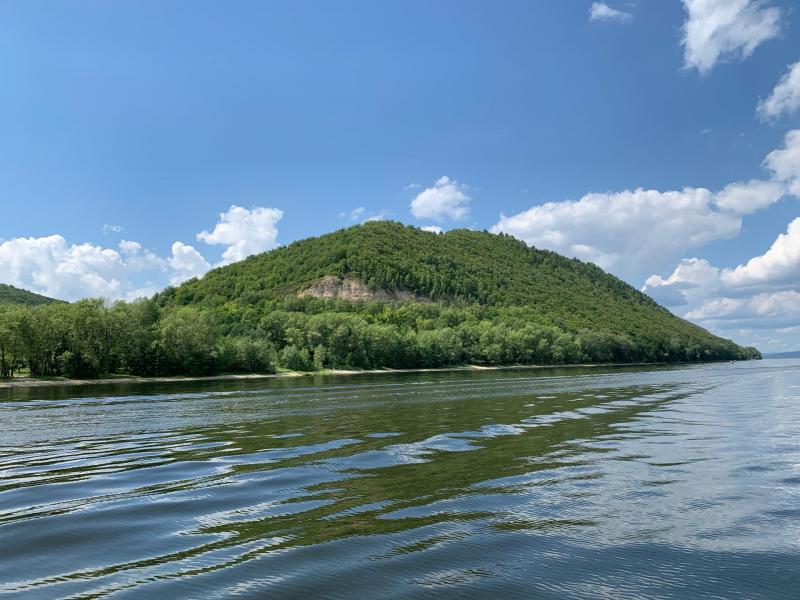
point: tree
(11, 345)
(187, 340)
(320, 357)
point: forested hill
(13, 295)
(458, 268)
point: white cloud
(696, 279)
(785, 162)
(767, 309)
(600, 11)
(628, 232)
(763, 293)
(432, 229)
(112, 229)
(752, 196)
(785, 97)
(130, 248)
(51, 266)
(446, 199)
(779, 266)
(244, 232)
(692, 279)
(139, 259)
(721, 29)
(186, 262)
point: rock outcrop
(350, 288)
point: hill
(490, 277)
(10, 295)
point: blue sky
(147, 121)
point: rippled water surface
(626, 483)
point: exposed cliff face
(350, 288)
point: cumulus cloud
(721, 29)
(748, 197)
(785, 162)
(760, 294)
(51, 266)
(433, 229)
(139, 259)
(130, 248)
(764, 310)
(628, 232)
(696, 279)
(244, 232)
(186, 262)
(600, 11)
(785, 97)
(693, 278)
(446, 199)
(777, 267)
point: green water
(619, 483)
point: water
(619, 483)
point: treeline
(88, 339)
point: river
(660, 482)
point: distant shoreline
(792, 354)
(24, 382)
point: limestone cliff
(350, 288)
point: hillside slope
(10, 295)
(494, 278)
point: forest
(491, 300)
(88, 339)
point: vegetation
(494, 301)
(10, 295)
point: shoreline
(24, 382)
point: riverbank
(36, 382)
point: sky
(145, 142)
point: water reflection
(517, 483)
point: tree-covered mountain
(13, 295)
(370, 296)
(460, 268)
